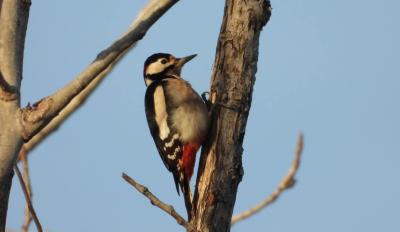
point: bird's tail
(183, 183)
(187, 194)
(187, 164)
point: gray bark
(233, 77)
(13, 23)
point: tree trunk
(220, 168)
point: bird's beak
(181, 61)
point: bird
(178, 118)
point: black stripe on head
(162, 75)
(153, 58)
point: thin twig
(287, 182)
(28, 200)
(25, 174)
(169, 209)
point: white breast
(161, 112)
(156, 67)
(189, 115)
(191, 122)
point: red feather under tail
(188, 160)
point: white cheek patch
(154, 68)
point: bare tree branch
(25, 175)
(70, 108)
(287, 182)
(36, 117)
(169, 209)
(13, 24)
(28, 200)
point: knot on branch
(32, 116)
(36, 112)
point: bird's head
(160, 64)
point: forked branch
(67, 111)
(287, 182)
(169, 209)
(37, 116)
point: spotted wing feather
(169, 148)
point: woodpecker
(178, 118)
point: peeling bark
(220, 168)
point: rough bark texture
(220, 169)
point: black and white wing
(166, 139)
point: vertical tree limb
(14, 16)
(220, 168)
(13, 25)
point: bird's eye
(163, 61)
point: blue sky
(327, 68)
